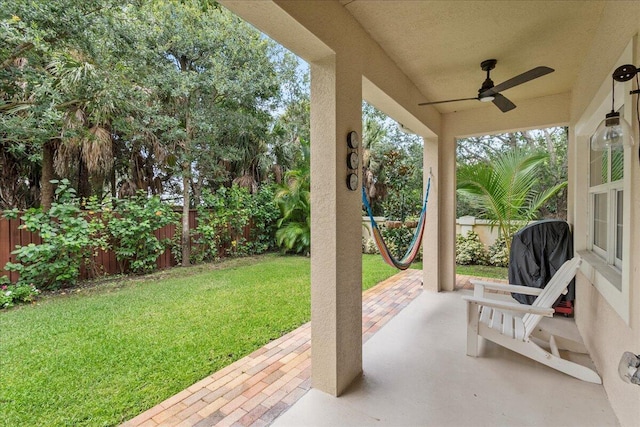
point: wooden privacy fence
(12, 235)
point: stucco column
(447, 207)
(439, 236)
(336, 254)
(431, 237)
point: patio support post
(447, 206)
(438, 244)
(431, 238)
(336, 260)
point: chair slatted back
(551, 293)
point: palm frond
(97, 150)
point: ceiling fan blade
(448, 100)
(518, 80)
(503, 103)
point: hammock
(414, 246)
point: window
(602, 211)
(606, 182)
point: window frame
(610, 190)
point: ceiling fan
(490, 92)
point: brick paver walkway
(256, 389)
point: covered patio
(396, 55)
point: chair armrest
(510, 306)
(527, 290)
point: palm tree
(294, 200)
(503, 189)
(84, 145)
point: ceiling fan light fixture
(489, 92)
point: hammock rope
(414, 246)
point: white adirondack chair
(515, 326)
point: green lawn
(482, 271)
(101, 355)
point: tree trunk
(84, 186)
(46, 193)
(186, 189)
(186, 247)
(112, 182)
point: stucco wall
(487, 232)
(607, 335)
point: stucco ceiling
(439, 44)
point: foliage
(68, 239)
(216, 81)
(119, 97)
(11, 294)
(392, 166)
(294, 201)
(504, 188)
(552, 171)
(498, 253)
(405, 188)
(264, 218)
(470, 250)
(104, 355)
(223, 217)
(369, 246)
(131, 226)
(398, 240)
(67, 73)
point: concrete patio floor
(416, 373)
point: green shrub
(264, 214)
(11, 294)
(498, 253)
(212, 230)
(398, 240)
(369, 246)
(68, 239)
(131, 226)
(222, 218)
(470, 250)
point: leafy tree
(214, 78)
(504, 189)
(374, 134)
(292, 127)
(392, 166)
(57, 86)
(127, 95)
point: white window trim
(611, 281)
(611, 189)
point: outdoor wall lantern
(629, 368)
(614, 132)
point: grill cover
(537, 252)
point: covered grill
(537, 252)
